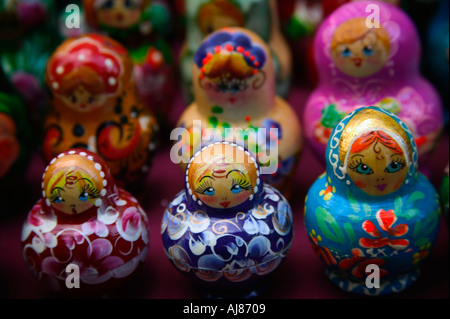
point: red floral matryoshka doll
(142, 26)
(85, 222)
(95, 106)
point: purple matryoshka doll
(368, 53)
(227, 230)
(84, 223)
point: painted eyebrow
(207, 177)
(357, 155)
(235, 170)
(86, 180)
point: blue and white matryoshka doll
(372, 213)
(227, 230)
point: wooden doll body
(85, 222)
(207, 16)
(361, 65)
(234, 87)
(95, 106)
(372, 207)
(227, 230)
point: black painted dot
(124, 119)
(118, 107)
(78, 130)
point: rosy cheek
(398, 184)
(360, 184)
(207, 199)
(241, 197)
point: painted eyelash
(56, 193)
(355, 163)
(91, 191)
(400, 161)
(245, 185)
(203, 187)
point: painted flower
(386, 220)
(424, 251)
(328, 192)
(358, 263)
(321, 251)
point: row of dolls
(96, 102)
(30, 31)
(228, 230)
(96, 106)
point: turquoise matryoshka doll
(372, 217)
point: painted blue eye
(108, 4)
(394, 167)
(346, 53)
(363, 169)
(83, 197)
(236, 189)
(58, 200)
(368, 51)
(209, 191)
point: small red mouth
(74, 211)
(232, 100)
(225, 204)
(358, 61)
(119, 17)
(381, 187)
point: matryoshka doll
(372, 207)
(368, 53)
(234, 87)
(227, 230)
(204, 17)
(95, 106)
(84, 225)
(142, 26)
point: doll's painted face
(376, 164)
(220, 182)
(120, 14)
(231, 69)
(81, 100)
(358, 51)
(72, 191)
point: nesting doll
(84, 223)
(372, 207)
(227, 230)
(142, 27)
(203, 17)
(369, 54)
(234, 87)
(95, 106)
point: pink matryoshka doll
(368, 53)
(84, 223)
(95, 106)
